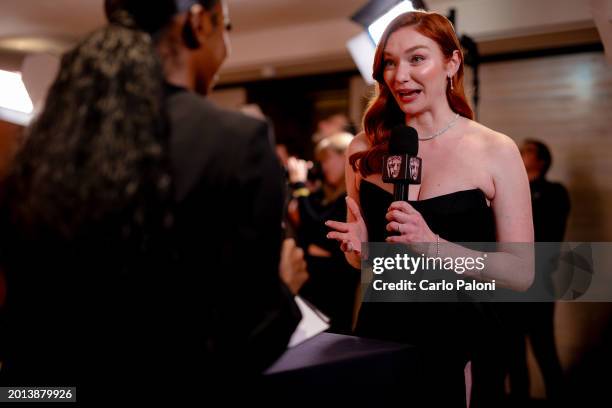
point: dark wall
(295, 105)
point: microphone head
(404, 140)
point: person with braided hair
(141, 227)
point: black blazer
(163, 328)
(230, 191)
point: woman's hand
(409, 224)
(350, 234)
(297, 169)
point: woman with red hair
(473, 189)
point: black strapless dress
(449, 334)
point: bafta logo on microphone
(415, 169)
(394, 166)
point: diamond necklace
(439, 132)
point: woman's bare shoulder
(359, 143)
(497, 152)
(491, 143)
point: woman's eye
(417, 58)
(389, 63)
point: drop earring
(450, 78)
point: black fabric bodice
(462, 216)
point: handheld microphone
(401, 166)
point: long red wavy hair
(383, 112)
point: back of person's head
(149, 16)
(96, 159)
(89, 200)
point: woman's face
(415, 70)
(332, 164)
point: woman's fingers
(353, 208)
(346, 232)
(399, 216)
(348, 246)
(337, 225)
(393, 226)
(402, 206)
(404, 227)
(343, 235)
(339, 236)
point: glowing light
(377, 28)
(13, 94)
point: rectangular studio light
(362, 50)
(15, 103)
(374, 17)
(13, 94)
(377, 28)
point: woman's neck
(431, 121)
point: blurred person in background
(550, 204)
(332, 282)
(331, 125)
(549, 201)
(141, 228)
